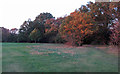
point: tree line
(93, 23)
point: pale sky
(14, 12)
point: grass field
(31, 57)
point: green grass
(24, 57)
(0, 57)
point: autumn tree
(77, 26)
(115, 36)
(48, 24)
(115, 27)
(103, 13)
(58, 22)
(52, 29)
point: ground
(42, 57)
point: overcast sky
(14, 12)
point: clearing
(43, 57)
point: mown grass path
(31, 57)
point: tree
(48, 24)
(115, 28)
(13, 36)
(36, 35)
(5, 34)
(9, 35)
(52, 30)
(77, 26)
(25, 29)
(115, 36)
(103, 13)
(14, 30)
(28, 26)
(43, 17)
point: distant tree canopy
(9, 35)
(43, 17)
(28, 26)
(93, 23)
(5, 34)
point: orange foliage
(77, 25)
